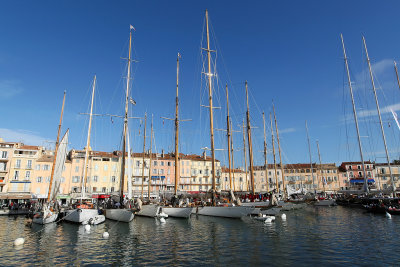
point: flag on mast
(132, 28)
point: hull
(121, 215)
(80, 215)
(325, 202)
(40, 219)
(95, 220)
(226, 212)
(149, 210)
(255, 204)
(178, 212)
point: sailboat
(49, 213)
(83, 211)
(180, 212)
(218, 211)
(124, 214)
(149, 209)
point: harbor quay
(25, 172)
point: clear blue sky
(288, 51)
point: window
(155, 163)
(18, 163)
(75, 189)
(96, 167)
(95, 178)
(76, 168)
(240, 179)
(94, 189)
(106, 167)
(162, 163)
(46, 167)
(37, 167)
(75, 179)
(169, 171)
(16, 175)
(27, 174)
(161, 171)
(112, 189)
(226, 179)
(112, 180)
(359, 167)
(62, 179)
(47, 179)
(104, 189)
(4, 154)
(200, 171)
(39, 179)
(137, 163)
(29, 164)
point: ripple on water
(308, 237)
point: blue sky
(288, 51)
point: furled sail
(60, 161)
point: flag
(179, 55)
(133, 102)
(132, 28)
(395, 118)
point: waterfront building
(6, 153)
(260, 182)
(382, 174)
(41, 178)
(353, 177)
(239, 180)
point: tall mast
(228, 130)
(355, 116)
(144, 152)
(380, 118)
(56, 150)
(265, 155)
(249, 142)
(151, 145)
(128, 78)
(233, 163)
(397, 74)
(177, 127)
(320, 165)
(280, 154)
(244, 155)
(86, 165)
(209, 74)
(273, 152)
(309, 153)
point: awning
(63, 197)
(101, 196)
(361, 181)
(16, 196)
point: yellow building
(6, 154)
(21, 170)
(42, 173)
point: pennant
(132, 28)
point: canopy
(361, 181)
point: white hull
(183, 212)
(95, 220)
(227, 212)
(255, 204)
(48, 219)
(80, 215)
(121, 215)
(149, 210)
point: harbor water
(310, 236)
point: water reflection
(308, 237)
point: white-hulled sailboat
(123, 214)
(85, 212)
(218, 211)
(48, 213)
(180, 212)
